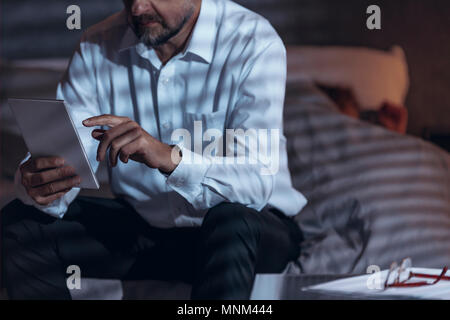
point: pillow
(375, 76)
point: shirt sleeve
(78, 89)
(244, 177)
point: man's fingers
(105, 120)
(128, 150)
(54, 187)
(112, 134)
(120, 142)
(39, 164)
(40, 178)
(45, 201)
(98, 134)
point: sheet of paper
(371, 286)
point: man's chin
(153, 42)
(155, 39)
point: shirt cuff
(188, 176)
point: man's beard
(159, 33)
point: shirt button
(166, 125)
(179, 183)
(166, 81)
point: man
(180, 214)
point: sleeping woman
(391, 116)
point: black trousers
(108, 239)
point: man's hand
(127, 140)
(47, 179)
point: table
(289, 287)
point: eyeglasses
(399, 276)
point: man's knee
(21, 223)
(8, 213)
(229, 219)
(12, 218)
(17, 211)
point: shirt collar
(203, 36)
(201, 42)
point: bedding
(375, 196)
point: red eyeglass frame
(404, 284)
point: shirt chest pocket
(201, 122)
(204, 127)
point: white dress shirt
(231, 74)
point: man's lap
(108, 239)
(105, 238)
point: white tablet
(48, 130)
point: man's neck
(177, 44)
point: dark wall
(36, 28)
